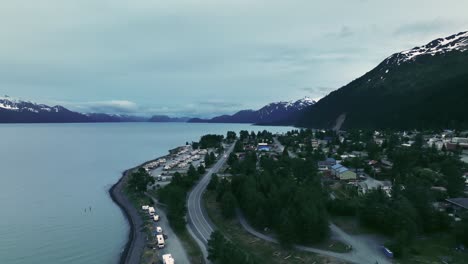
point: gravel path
(173, 245)
(365, 249)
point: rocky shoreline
(136, 240)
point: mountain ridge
(277, 112)
(424, 87)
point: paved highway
(198, 221)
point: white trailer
(155, 218)
(151, 210)
(144, 207)
(160, 239)
(168, 259)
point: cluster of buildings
(184, 157)
(154, 164)
(263, 147)
(337, 170)
(355, 177)
(343, 173)
(446, 139)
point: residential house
(343, 173)
(315, 143)
(326, 164)
(458, 205)
(263, 147)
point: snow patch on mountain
(15, 104)
(284, 107)
(457, 42)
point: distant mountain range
(19, 111)
(164, 118)
(285, 113)
(425, 87)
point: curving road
(200, 226)
(365, 251)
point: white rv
(160, 239)
(151, 210)
(168, 259)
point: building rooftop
(342, 169)
(337, 166)
(462, 202)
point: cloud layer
(204, 57)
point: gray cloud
(172, 56)
(345, 32)
(425, 27)
(110, 107)
(218, 103)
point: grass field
(435, 249)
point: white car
(158, 229)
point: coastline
(136, 240)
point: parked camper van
(160, 239)
(168, 259)
(151, 211)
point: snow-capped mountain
(13, 104)
(14, 110)
(278, 111)
(273, 113)
(424, 87)
(456, 42)
(18, 111)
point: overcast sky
(204, 57)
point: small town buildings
(386, 163)
(343, 173)
(263, 147)
(326, 164)
(314, 143)
(378, 141)
(458, 204)
(436, 142)
(347, 175)
(456, 142)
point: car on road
(158, 229)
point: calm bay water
(49, 174)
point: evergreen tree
(228, 205)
